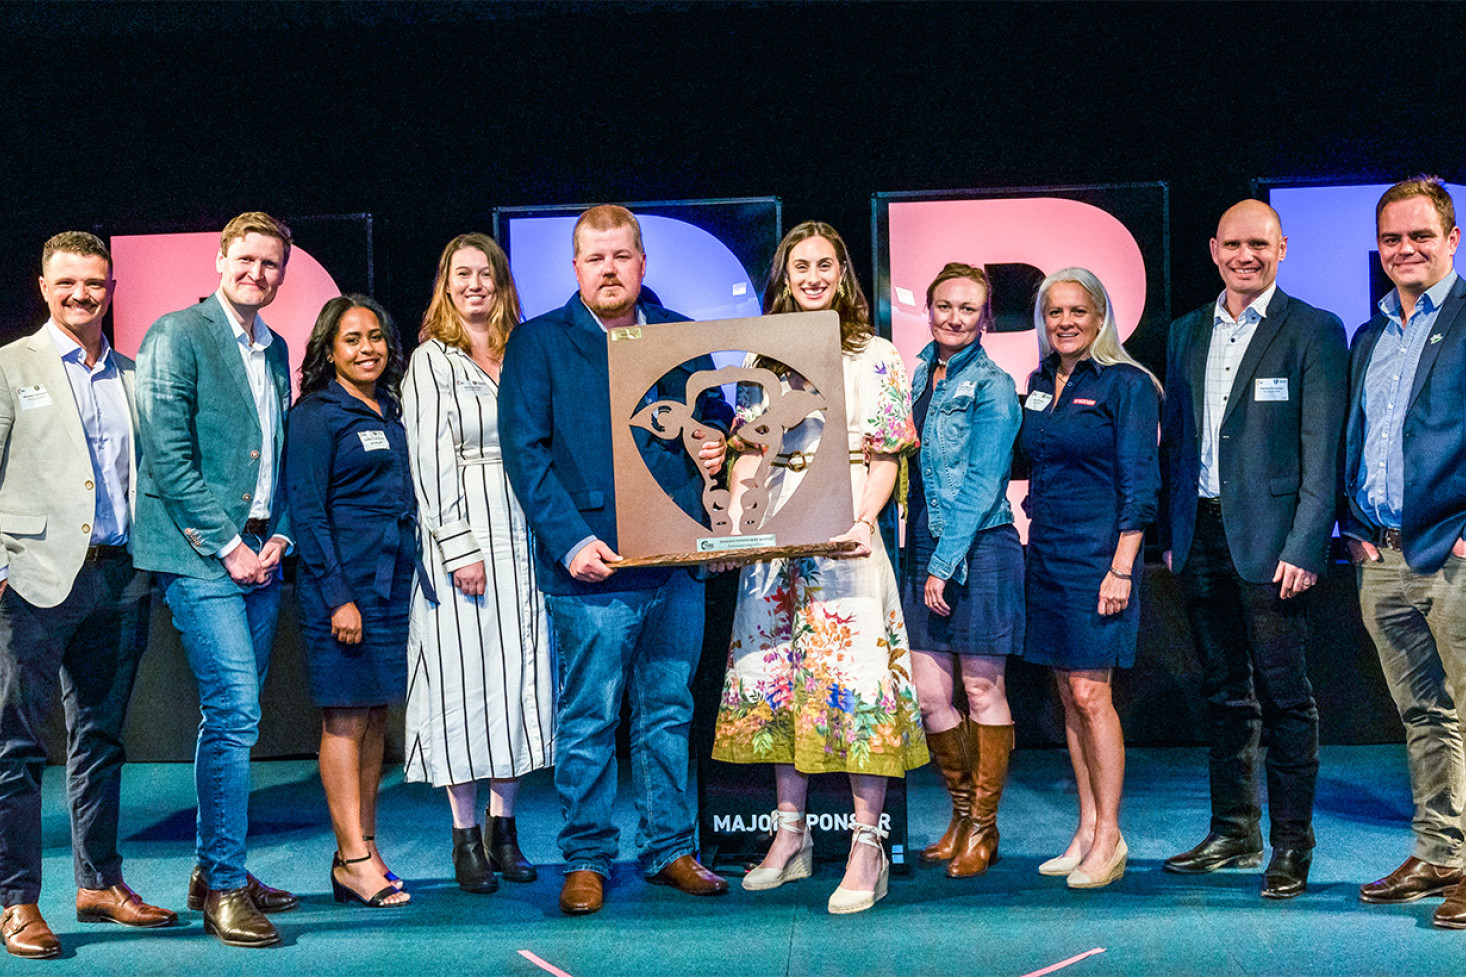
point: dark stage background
(427, 116)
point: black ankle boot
(501, 841)
(470, 867)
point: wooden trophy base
(761, 554)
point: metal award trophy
(744, 524)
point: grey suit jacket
(47, 499)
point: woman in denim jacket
(963, 581)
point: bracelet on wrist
(1119, 575)
(867, 523)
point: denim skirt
(987, 611)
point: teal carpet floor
(1010, 922)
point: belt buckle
(798, 461)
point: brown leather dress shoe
(26, 933)
(1451, 914)
(581, 894)
(686, 875)
(120, 904)
(266, 899)
(1411, 881)
(230, 914)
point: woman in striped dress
(481, 688)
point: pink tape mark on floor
(1053, 966)
(551, 968)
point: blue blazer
(200, 442)
(1278, 458)
(555, 428)
(1434, 438)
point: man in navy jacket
(612, 627)
(1405, 514)
(1250, 436)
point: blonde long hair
(442, 322)
(1106, 350)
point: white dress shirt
(1229, 339)
(267, 408)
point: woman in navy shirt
(352, 513)
(1090, 424)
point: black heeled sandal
(343, 893)
(387, 874)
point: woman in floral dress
(819, 672)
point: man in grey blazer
(1250, 435)
(213, 386)
(71, 606)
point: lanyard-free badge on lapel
(33, 397)
(1270, 388)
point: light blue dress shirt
(101, 401)
(1388, 380)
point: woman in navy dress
(1089, 433)
(352, 512)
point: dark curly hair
(317, 370)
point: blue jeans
(653, 639)
(227, 632)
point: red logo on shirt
(1085, 401)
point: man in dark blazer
(1405, 514)
(612, 627)
(73, 613)
(1254, 408)
(213, 386)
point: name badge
(475, 388)
(33, 397)
(1038, 400)
(1275, 388)
(373, 440)
(967, 388)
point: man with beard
(213, 386)
(612, 627)
(71, 605)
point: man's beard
(607, 309)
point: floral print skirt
(819, 670)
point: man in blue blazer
(1405, 514)
(1254, 409)
(213, 386)
(642, 626)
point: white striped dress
(481, 683)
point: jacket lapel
(129, 387)
(586, 336)
(227, 347)
(1365, 340)
(1263, 335)
(53, 378)
(278, 365)
(1199, 348)
(1450, 316)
